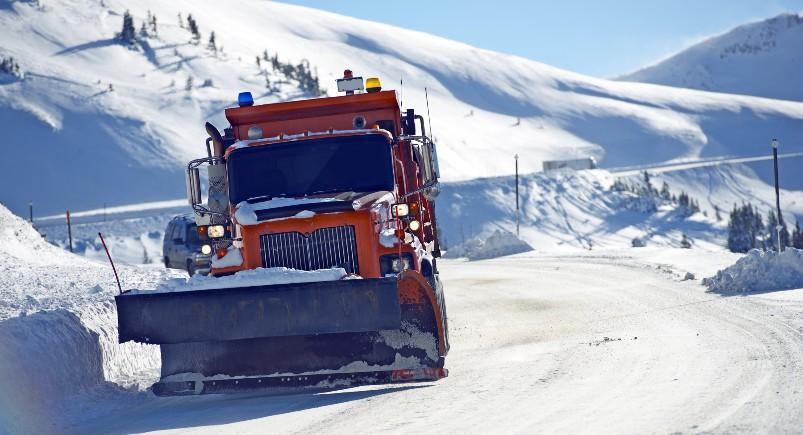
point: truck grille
(324, 248)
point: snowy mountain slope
(568, 210)
(760, 58)
(78, 145)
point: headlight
(414, 225)
(400, 264)
(206, 249)
(392, 263)
(216, 231)
(400, 210)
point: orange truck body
(288, 122)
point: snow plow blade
(327, 334)
(327, 307)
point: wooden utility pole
(779, 227)
(69, 229)
(516, 157)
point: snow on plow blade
(328, 307)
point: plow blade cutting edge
(318, 334)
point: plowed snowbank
(58, 330)
(497, 244)
(760, 271)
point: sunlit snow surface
(78, 145)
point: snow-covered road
(549, 344)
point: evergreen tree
(259, 63)
(274, 61)
(189, 84)
(212, 45)
(647, 183)
(738, 234)
(265, 55)
(180, 21)
(717, 214)
(143, 31)
(193, 26)
(154, 27)
(685, 242)
(128, 33)
(745, 229)
(10, 66)
(683, 200)
(786, 238)
(665, 194)
(797, 236)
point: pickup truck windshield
(336, 164)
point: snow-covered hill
(74, 143)
(762, 58)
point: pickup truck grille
(324, 248)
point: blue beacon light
(245, 99)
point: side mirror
(193, 186)
(432, 191)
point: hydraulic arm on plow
(343, 183)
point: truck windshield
(349, 163)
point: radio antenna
(429, 118)
(401, 97)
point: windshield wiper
(261, 198)
(318, 192)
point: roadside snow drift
(497, 244)
(58, 330)
(760, 271)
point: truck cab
(342, 181)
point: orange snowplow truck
(332, 201)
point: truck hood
(254, 212)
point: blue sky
(602, 38)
